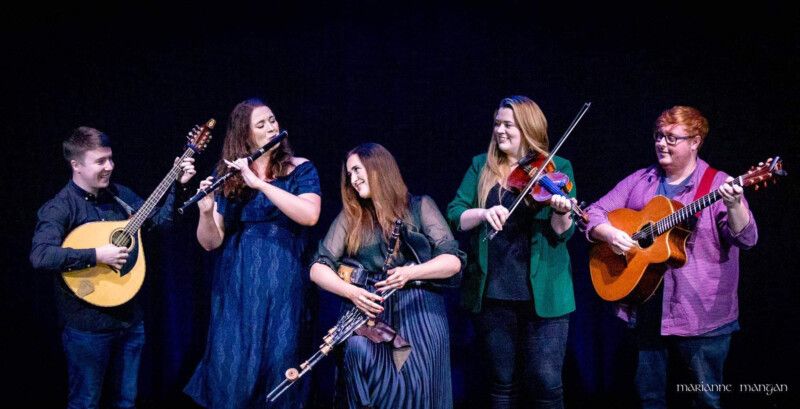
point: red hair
(691, 119)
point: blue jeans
(91, 355)
(516, 340)
(703, 357)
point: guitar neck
(144, 212)
(676, 218)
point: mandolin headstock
(199, 136)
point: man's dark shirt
(70, 208)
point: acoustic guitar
(103, 285)
(661, 234)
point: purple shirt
(701, 295)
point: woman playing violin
(518, 285)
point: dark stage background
(423, 80)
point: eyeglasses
(670, 138)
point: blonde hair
(532, 125)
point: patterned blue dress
(256, 302)
(417, 313)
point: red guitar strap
(705, 183)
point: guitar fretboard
(666, 224)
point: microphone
(217, 183)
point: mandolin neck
(147, 208)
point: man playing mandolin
(695, 311)
(98, 342)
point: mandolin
(660, 232)
(103, 285)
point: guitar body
(102, 285)
(633, 278)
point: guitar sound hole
(645, 236)
(121, 239)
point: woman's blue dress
(256, 302)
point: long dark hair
(389, 195)
(239, 143)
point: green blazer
(550, 270)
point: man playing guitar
(695, 311)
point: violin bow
(490, 235)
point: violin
(533, 177)
(551, 182)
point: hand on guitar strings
(731, 194)
(619, 241)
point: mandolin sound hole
(121, 239)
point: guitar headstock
(758, 176)
(199, 136)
